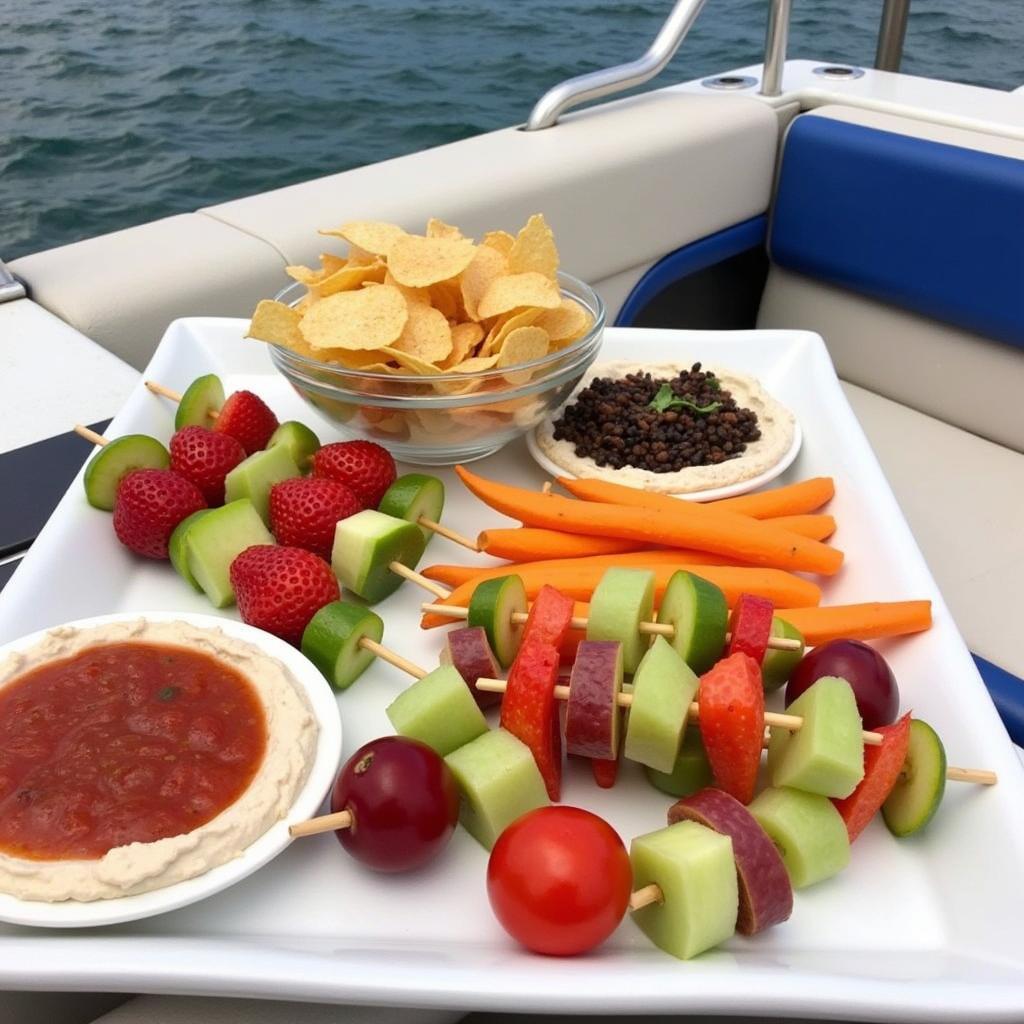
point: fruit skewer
(425, 521)
(772, 719)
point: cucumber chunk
(114, 459)
(826, 755)
(366, 544)
(438, 710)
(778, 666)
(205, 395)
(698, 612)
(690, 773)
(499, 781)
(492, 606)
(301, 442)
(412, 496)
(663, 687)
(177, 548)
(253, 477)
(621, 601)
(693, 866)
(331, 641)
(215, 540)
(917, 794)
(807, 830)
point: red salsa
(122, 743)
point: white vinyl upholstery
(964, 499)
(622, 185)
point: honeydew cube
(438, 710)
(807, 830)
(694, 868)
(620, 602)
(253, 477)
(826, 755)
(499, 781)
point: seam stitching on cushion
(206, 212)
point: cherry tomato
(559, 880)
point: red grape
(403, 800)
(559, 880)
(874, 686)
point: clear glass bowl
(450, 417)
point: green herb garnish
(667, 399)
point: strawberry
(149, 505)
(732, 723)
(248, 419)
(751, 626)
(205, 457)
(882, 767)
(363, 466)
(305, 510)
(280, 589)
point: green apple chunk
(693, 866)
(778, 665)
(663, 687)
(414, 495)
(698, 612)
(332, 641)
(690, 773)
(215, 540)
(826, 755)
(499, 781)
(114, 460)
(203, 397)
(301, 442)
(438, 710)
(918, 792)
(366, 544)
(807, 830)
(177, 548)
(492, 605)
(621, 601)
(253, 477)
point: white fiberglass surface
(920, 928)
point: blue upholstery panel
(689, 259)
(1007, 693)
(933, 228)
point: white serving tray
(920, 929)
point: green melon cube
(500, 782)
(807, 830)
(826, 755)
(438, 710)
(253, 477)
(694, 868)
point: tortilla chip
(370, 318)
(534, 249)
(515, 291)
(438, 229)
(347, 279)
(417, 262)
(523, 345)
(275, 323)
(426, 334)
(486, 266)
(373, 236)
(500, 240)
(464, 338)
(504, 324)
(570, 320)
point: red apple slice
(469, 652)
(592, 716)
(766, 895)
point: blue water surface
(116, 112)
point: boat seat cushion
(869, 203)
(963, 497)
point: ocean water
(116, 112)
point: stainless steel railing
(608, 81)
(10, 287)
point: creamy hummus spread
(291, 738)
(776, 423)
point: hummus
(776, 423)
(291, 738)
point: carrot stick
(781, 588)
(817, 527)
(453, 575)
(859, 621)
(686, 525)
(527, 544)
(791, 500)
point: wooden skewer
(420, 580)
(325, 823)
(666, 629)
(449, 533)
(174, 396)
(773, 719)
(646, 896)
(392, 658)
(90, 435)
